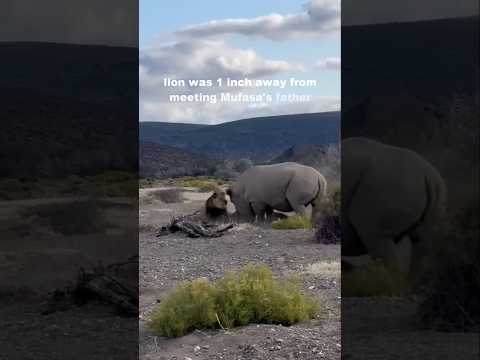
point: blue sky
(167, 16)
(302, 42)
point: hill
(425, 58)
(67, 109)
(325, 158)
(164, 161)
(259, 139)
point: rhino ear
(229, 191)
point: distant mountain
(325, 158)
(67, 109)
(87, 73)
(259, 139)
(306, 154)
(425, 58)
(163, 161)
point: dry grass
(292, 223)
(324, 269)
(373, 280)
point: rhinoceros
(284, 187)
(390, 196)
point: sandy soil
(168, 260)
(387, 328)
(36, 260)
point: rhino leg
(300, 209)
(384, 249)
(259, 210)
(416, 265)
(269, 213)
(404, 254)
(296, 202)
(244, 210)
(298, 198)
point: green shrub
(373, 280)
(191, 306)
(453, 301)
(13, 189)
(451, 275)
(292, 222)
(239, 298)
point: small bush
(239, 298)
(13, 189)
(453, 303)
(168, 196)
(329, 230)
(292, 222)
(451, 277)
(373, 280)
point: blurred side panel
(69, 180)
(410, 193)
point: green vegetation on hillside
(107, 184)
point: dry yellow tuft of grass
(292, 223)
(328, 268)
(373, 280)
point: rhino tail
(321, 193)
(433, 207)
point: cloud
(202, 52)
(329, 64)
(208, 59)
(319, 18)
(200, 59)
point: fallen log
(194, 229)
(97, 285)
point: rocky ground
(36, 259)
(168, 260)
(388, 328)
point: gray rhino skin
(284, 187)
(388, 194)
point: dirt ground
(36, 260)
(168, 260)
(387, 328)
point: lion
(216, 204)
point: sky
(268, 39)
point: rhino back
(268, 183)
(386, 179)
